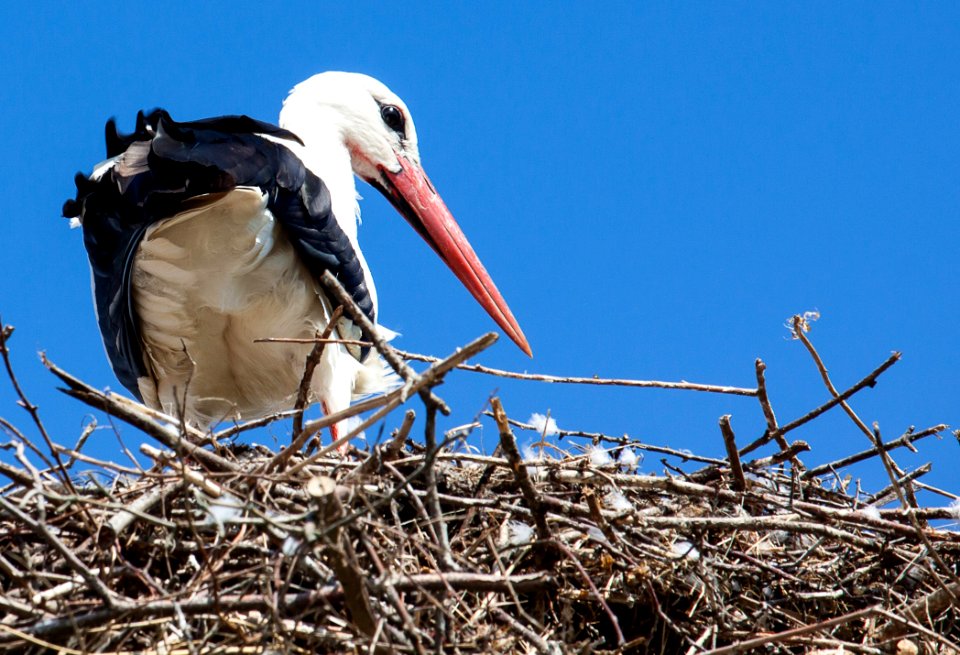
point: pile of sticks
(428, 546)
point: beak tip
(521, 340)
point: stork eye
(393, 118)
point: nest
(413, 547)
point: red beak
(413, 195)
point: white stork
(205, 236)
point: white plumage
(210, 282)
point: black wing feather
(186, 160)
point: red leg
(334, 431)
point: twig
(889, 492)
(389, 354)
(614, 382)
(906, 439)
(392, 449)
(394, 399)
(252, 424)
(303, 392)
(318, 339)
(509, 445)
(126, 517)
(786, 635)
(524, 631)
(16, 475)
(684, 455)
(773, 430)
(790, 453)
(341, 557)
(869, 381)
(730, 442)
(439, 525)
(6, 331)
(930, 605)
(140, 417)
(296, 444)
(21, 437)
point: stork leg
(334, 429)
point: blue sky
(654, 187)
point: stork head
(376, 128)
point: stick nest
(414, 547)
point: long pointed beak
(412, 193)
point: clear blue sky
(654, 187)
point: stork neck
(327, 157)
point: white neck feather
(326, 155)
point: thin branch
(509, 445)
(432, 376)
(787, 635)
(906, 439)
(625, 440)
(768, 414)
(433, 502)
(389, 354)
(142, 418)
(869, 381)
(303, 392)
(730, 443)
(6, 331)
(613, 382)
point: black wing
(165, 163)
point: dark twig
(303, 392)
(389, 354)
(6, 331)
(768, 414)
(730, 442)
(906, 439)
(392, 449)
(541, 645)
(509, 445)
(433, 502)
(432, 376)
(869, 381)
(787, 635)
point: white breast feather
(210, 281)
